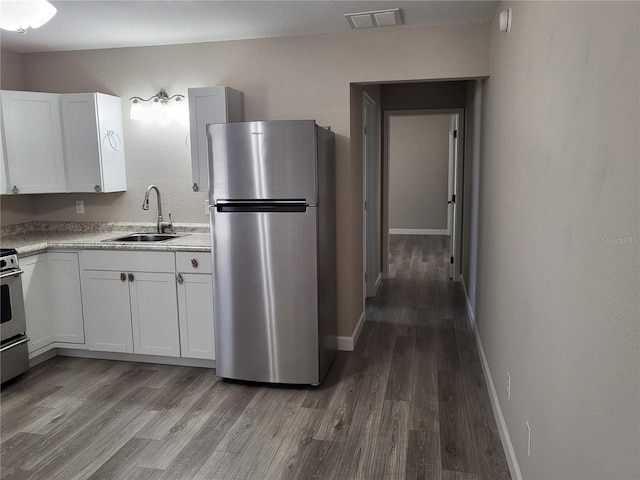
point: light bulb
(18, 15)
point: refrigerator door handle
(261, 206)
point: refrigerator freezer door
(265, 296)
(263, 160)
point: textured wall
(559, 236)
(418, 171)
(296, 78)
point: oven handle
(14, 344)
(12, 273)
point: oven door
(12, 305)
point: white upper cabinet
(93, 142)
(33, 142)
(209, 105)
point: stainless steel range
(14, 358)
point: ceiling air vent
(377, 18)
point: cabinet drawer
(128, 261)
(193, 262)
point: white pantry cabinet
(195, 305)
(209, 105)
(130, 303)
(33, 142)
(93, 142)
(52, 301)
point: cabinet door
(93, 141)
(82, 152)
(4, 180)
(111, 137)
(37, 301)
(107, 311)
(209, 105)
(33, 142)
(195, 310)
(66, 301)
(154, 314)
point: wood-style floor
(409, 402)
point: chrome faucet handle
(165, 227)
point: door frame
(456, 183)
(371, 277)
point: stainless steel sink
(145, 237)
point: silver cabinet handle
(194, 263)
(179, 279)
(131, 277)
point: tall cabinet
(93, 142)
(209, 105)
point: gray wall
(418, 172)
(558, 291)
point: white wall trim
(378, 282)
(132, 357)
(470, 312)
(418, 231)
(348, 344)
(509, 452)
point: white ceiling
(94, 24)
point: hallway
(434, 364)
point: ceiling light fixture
(377, 18)
(162, 108)
(18, 15)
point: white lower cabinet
(37, 301)
(52, 300)
(195, 305)
(66, 298)
(130, 302)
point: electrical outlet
(79, 206)
(508, 386)
(528, 438)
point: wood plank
(425, 413)
(122, 461)
(270, 435)
(218, 466)
(390, 459)
(453, 475)
(423, 456)
(400, 380)
(196, 453)
(139, 473)
(489, 453)
(455, 436)
(160, 453)
(320, 397)
(292, 454)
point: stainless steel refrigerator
(272, 197)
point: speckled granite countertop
(40, 236)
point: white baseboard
(509, 452)
(418, 231)
(348, 344)
(131, 357)
(378, 282)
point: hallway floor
(410, 402)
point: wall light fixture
(159, 108)
(18, 15)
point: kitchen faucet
(162, 225)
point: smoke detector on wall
(377, 18)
